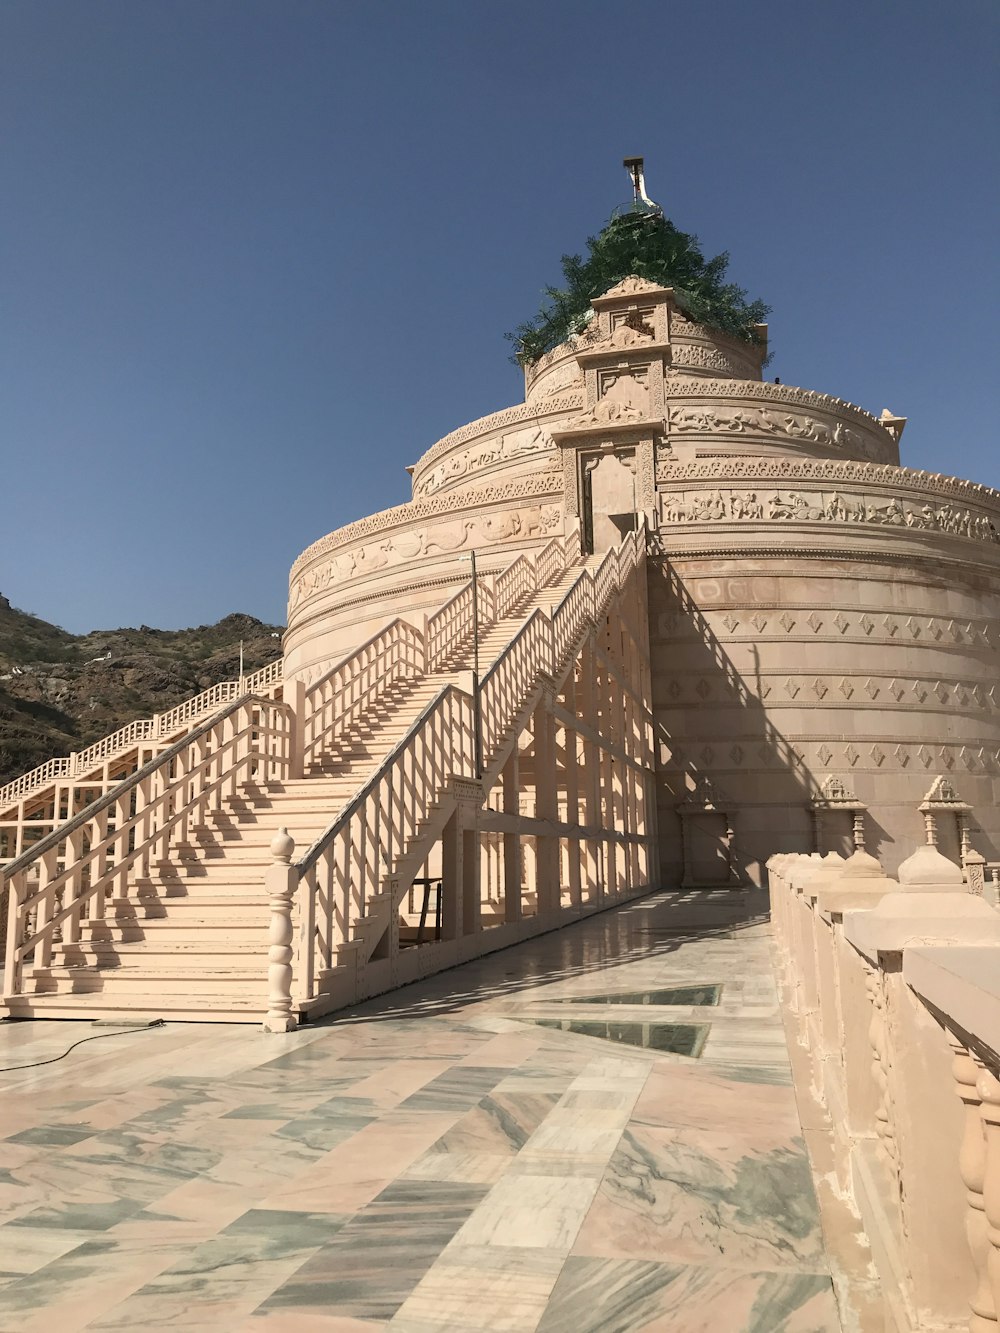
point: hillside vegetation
(60, 691)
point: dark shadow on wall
(750, 770)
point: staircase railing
(66, 880)
(513, 586)
(332, 704)
(346, 867)
(342, 696)
(400, 651)
(159, 727)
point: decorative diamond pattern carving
(920, 690)
(961, 695)
(766, 754)
(765, 689)
(967, 757)
(902, 755)
(825, 753)
(730, 621)
(759, 622)
(814, 621)
(867, 624)
(703, 689)
(871, 689)
(819, 688)
(935, 629)
(852, 755)
(674, 689)
(896, 690)
(736, 754)
(925, 756)
(787, 623)
(979, 696)
(956, 632)
(941, 690)
(947, 758)
(891, 626)
(707, 756)
(791, 688)
(914, 626)
(841, 621)
(846, 688)
(878, 754)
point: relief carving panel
(473, 532)
(782, 505)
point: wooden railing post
(280, 880)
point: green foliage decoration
(644, 242)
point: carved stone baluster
(988, 1088)
(280, 881)
(972, 1168)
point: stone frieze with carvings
(509, 416)
(501, 449)
(537, 485)
(706, 419)
(474, 531)
(787, 505)
(826, 471)
(685, 386)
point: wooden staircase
(187, 938)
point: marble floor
(435, 1160)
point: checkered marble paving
(435, 1160)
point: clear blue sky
(256, 257)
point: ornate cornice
(688, 386)
(839, 471)
(509, 416)
(538, 485)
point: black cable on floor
(37, 1064)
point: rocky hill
(60, 692)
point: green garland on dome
(644, 242)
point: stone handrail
(33, 779)
(551, 562)
(450, 628)
(339, 880)
(895, 990)
(344, 870)
(344, 693)
(159, 727)
(64, 881)
(513, 585)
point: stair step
(199, 1007)
(170, 976)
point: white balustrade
(897, 984)
(64, 882)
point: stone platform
(442, 1159)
